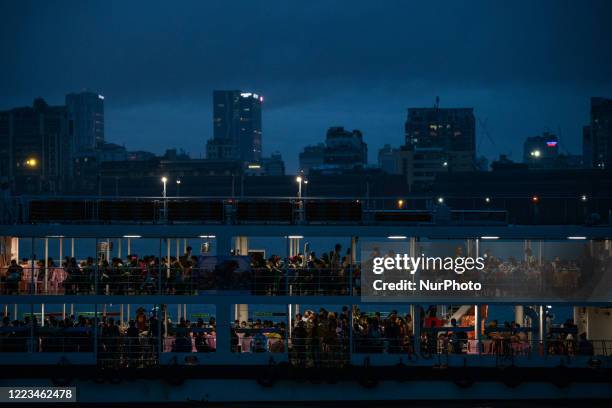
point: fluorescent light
(577, 237)
(54, 236)
(397, 237)
(296, 236)
(208, 236)
(132, 236)
(489, 237)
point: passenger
(13, 277)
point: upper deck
(102, 235)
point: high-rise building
(389, 160)
(343, 149)
(597, 139)
(540, 151)
(86, 120)
(274, 165)
(440, 139)
(312, 157)
(236, 126)
(35, 148)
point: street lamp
(31, 162)
(299, 180)
(165, 180)
(178, 188)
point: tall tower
(236, 126)
(600, 133)
(439, 140)
(86, 120)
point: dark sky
(525, 66)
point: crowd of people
(332, 273)
(258, 336)
(307, 274)
(314, 338)
(321, 338)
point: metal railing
(418, 209)
(161, 279)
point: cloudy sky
(525, 66)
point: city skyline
(535, 72)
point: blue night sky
(525, 66)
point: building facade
(35, 149)
(389, 160)
(237, 126)
(343, 149)
(312, 157)
(441, 140)
(541, 151)
(86, 119)
(597, 137)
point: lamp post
(164, 181)
(299, 180)
(178, 188)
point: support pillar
(416, 325)
(242, 312)
(167, 257)
(46, 283)
(294, 246)
(476, 323)
(519, 315)
(241, 246)
(354, 241)
(223, 331)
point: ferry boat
(217, 299)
